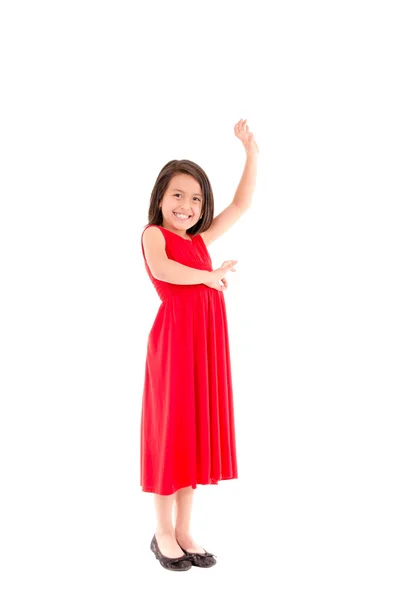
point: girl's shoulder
(152, 232)
(151, 227)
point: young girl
(187, 421)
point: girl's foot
(168, 545)
(187, 543)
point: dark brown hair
(174, 167)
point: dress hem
(193, 485)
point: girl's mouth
(181, 216)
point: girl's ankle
(182, 533)
(161, 532)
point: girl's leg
(184, 503)
(165, 534)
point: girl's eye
(195, 198)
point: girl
(187, 420)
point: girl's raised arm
(245, 189)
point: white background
(95, 99)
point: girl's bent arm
(174, 272)
(164, 268)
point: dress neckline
(177, 234)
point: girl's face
(182, 204)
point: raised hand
(243, 133)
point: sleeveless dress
(187, 418)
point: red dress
(187, 419)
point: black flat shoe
(200, 560)
(181, 563)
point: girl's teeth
(181, 217)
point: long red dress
(187, 419)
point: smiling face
(182, 204)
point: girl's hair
(174, 167)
